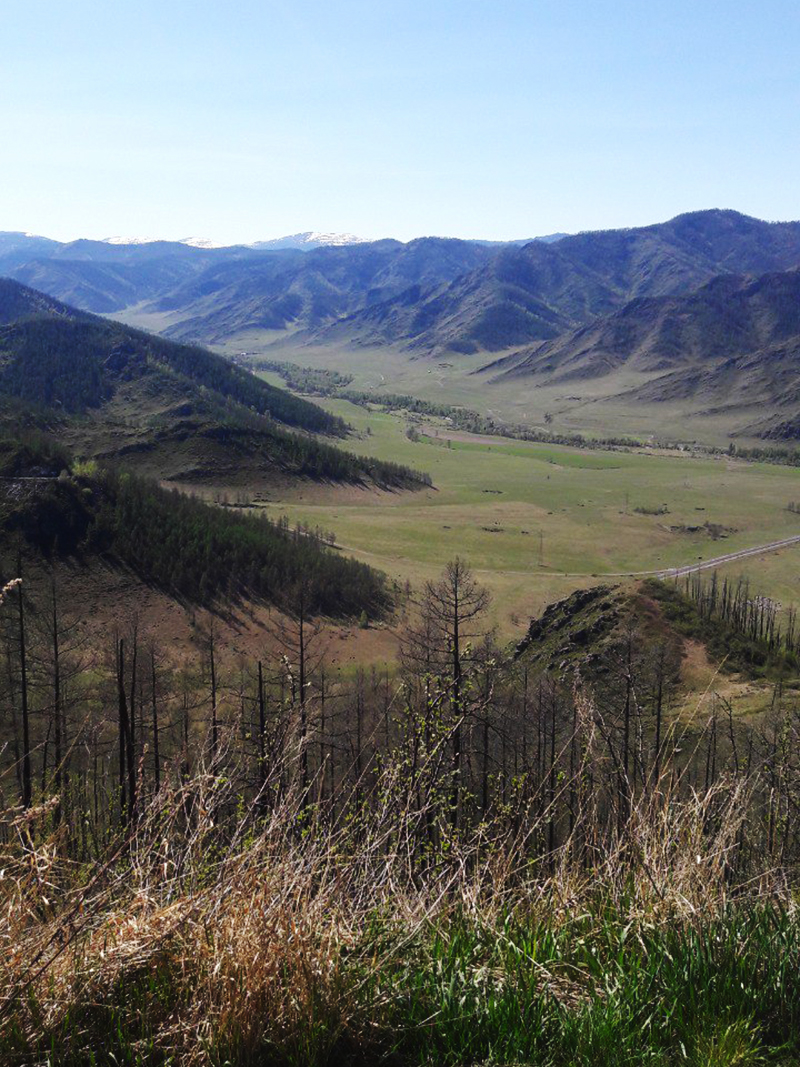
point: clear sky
(471, 118)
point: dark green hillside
(177, 543)
(159, 423)
(19, 302)
(52, 354)
(56, 364)
(233, 383)
(174, 411)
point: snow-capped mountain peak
(129, 240)
(200, 242)
(303, 241)
(195, 242)
(334, 239)
(310, 239)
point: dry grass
(216, 933)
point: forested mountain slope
(49, 351)
(57, 509)
(177, 411)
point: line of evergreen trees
(300, 454)
(230, 381)
(72, 364)
(199, 552)
(319, 382)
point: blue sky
(476, 118)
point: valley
(632, 314)
(682, 330)
(398, 617)
(400, 576)
(536, 521)
(595, 407)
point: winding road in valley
(706, 564)
(660, 572)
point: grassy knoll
(537, 520)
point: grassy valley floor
(536, 521)
(596, 407)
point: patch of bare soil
(711, 690)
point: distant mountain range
(431, 294)
(541, 291)
(673, 300)
(218, 290)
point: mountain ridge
(540, 290)
(558, 310)
(476, 295)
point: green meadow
(537, 520)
